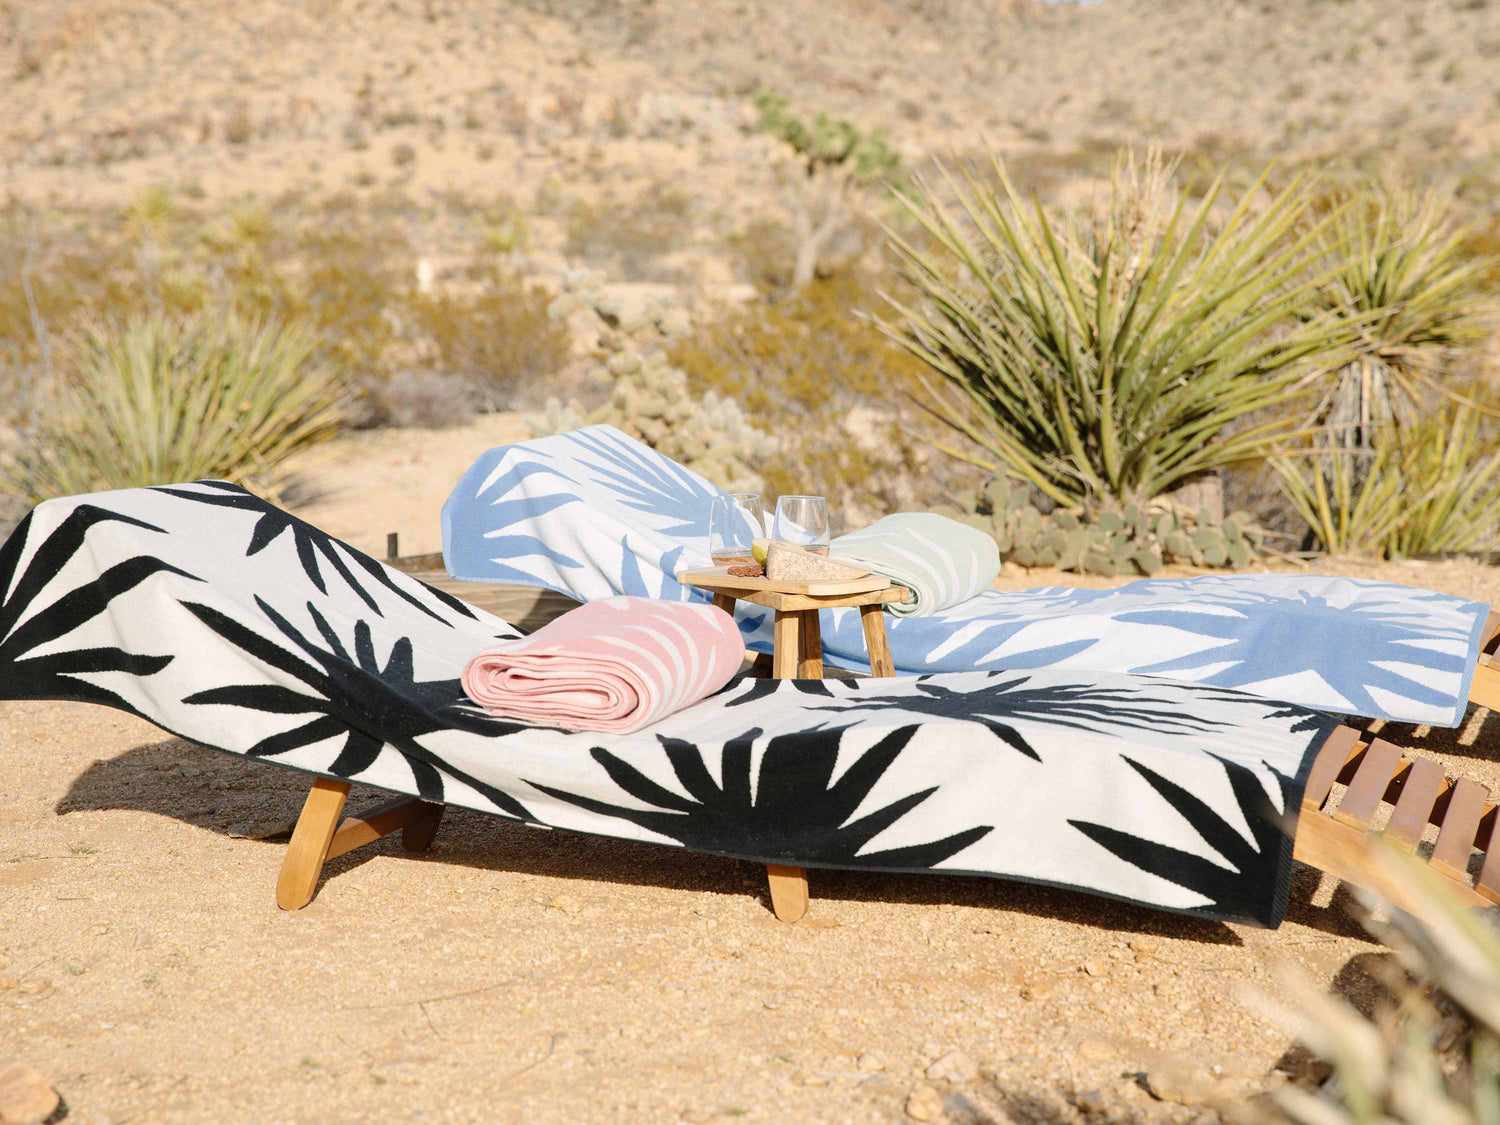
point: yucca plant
(1423, 489)
(157, 400)
(1105, 358)
(1405, 278)
(1432, 1055)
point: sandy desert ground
(520, 975)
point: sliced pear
(759, 548)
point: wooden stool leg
(872, 619)
(725, 602)
(417, 834)
(788, 891)
(810, 641)
(788, 636)
(309, 847)
(789, 884)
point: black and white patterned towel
(225, 620)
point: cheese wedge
(787, 563)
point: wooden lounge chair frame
(1330, 830)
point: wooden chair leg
(788, 891)
(310, 839)
(417, 833)
(725, 602)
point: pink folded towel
(613, 665)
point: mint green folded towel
(941, 561)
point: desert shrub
(650, 399)
(628, 237)
(418, 398)
(1103, 358)
(498, 338)
(1430, 1051)
(342, 269)
(1405, 276)
(811, 371)
(158, 399)
(1425, 488)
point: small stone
(924, 1104)
(805, 1078)
(955, 1066)
(26, 1097)
(9, 982)
(1180, 1085)
(566, 904)
(1144, 945)
(1091, 968)
(1096, 1050)
(772, 1001)
(870, 1062)
(1091, 1102)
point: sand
(516, 974)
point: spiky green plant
(1412, 1063)
(1405, 277)
(1423, 489)
(157, 400)
(1104, 357)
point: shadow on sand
(231, 795)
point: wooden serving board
(719, 578)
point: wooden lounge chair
(1375, 774)
(229, 622)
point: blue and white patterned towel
(594, 513)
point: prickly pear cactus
(1110, 542)
(650, 399)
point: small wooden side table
(797, 654)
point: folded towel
(613, 665)
(941, 561)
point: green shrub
(828, 140)
(1424, 489)
(499, 338)
(1429, 1054)
(1104, 358)
(799, 367)
(156, 400)
(1406, 277)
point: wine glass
(735, 519)
(803, 520)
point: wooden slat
(1485, 687)
(1424, 781)
(356, 831)
(810, 642)
(773, 599)
(1490, 633)
(719, 578)
(1326, 766)
(1368, 784)
(1488, 883)
(1460, 825)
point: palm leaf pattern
(1254, 871)
(793, 809)
(1081, 706)
(311, 545)
(25, 672)
(352, 696)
